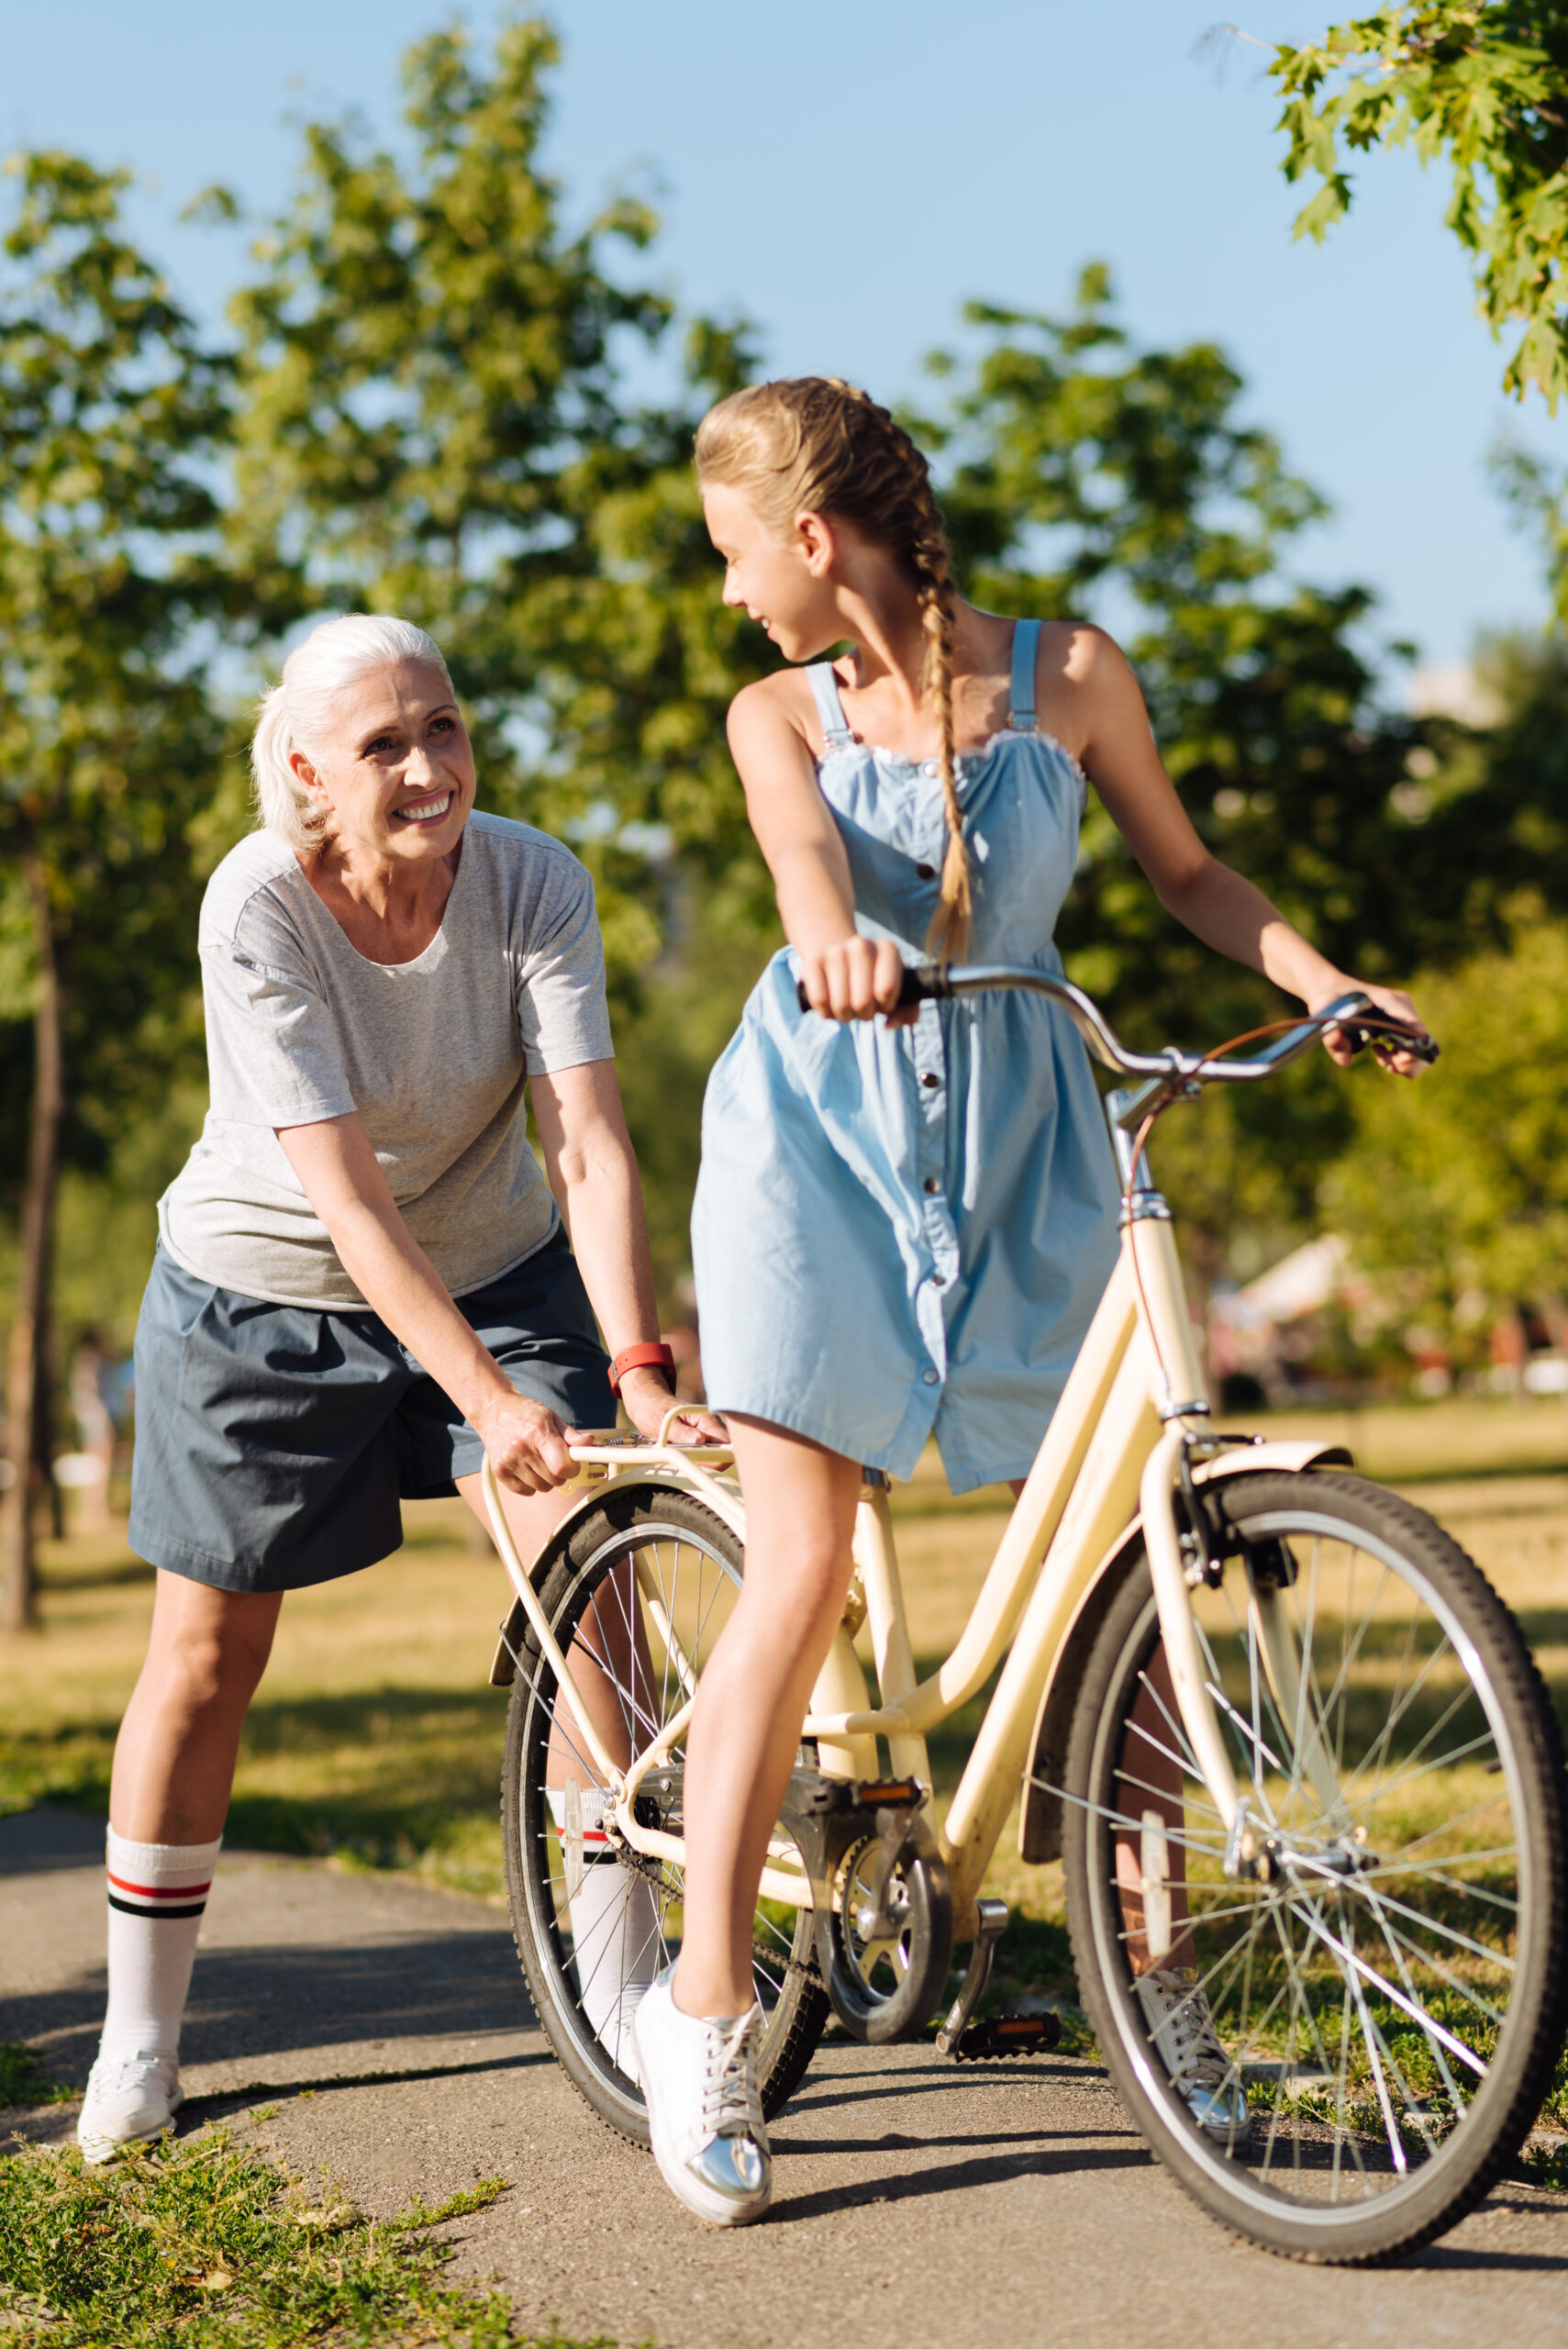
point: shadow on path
(262, 2001)
(946, 2178)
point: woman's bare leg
(617, 1942)
(752, 1698)
(1151, 1742)
(1155, 1785)
(175, 1758)
(610, 1629)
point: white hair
(298, 710)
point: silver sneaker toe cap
(1221, 2111)
(733, 2167)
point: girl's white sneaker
(129, 2098)
(1181, 2030)
(705, 2111)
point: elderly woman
(363, 1285)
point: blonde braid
(816, 441)
(949, 934)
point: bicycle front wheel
(644, 1584)
(1385, 1973)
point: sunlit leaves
(108, 743)
(434, 423)
(1472, 1192)
(1482, 84)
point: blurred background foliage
(432, 399)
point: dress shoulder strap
(829, 708)
(1026, 643)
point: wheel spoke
(1381, 1903)
(1396, 1709)
(643, 1613)
(1364, 1973)
(1366, 1984)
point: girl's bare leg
(175, 1758)
(753, 1695)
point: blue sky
(849, 175)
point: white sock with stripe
(157, 1894)
(617, 1941)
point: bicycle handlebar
(927, 982)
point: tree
(1482, 83)
(433, 419)
(109, 744)
(433, 422)
(1083, 476)
(1459, 1190)
(1471, 1197)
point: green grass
(213, 2244)
(375, 1741)
(24, 2080)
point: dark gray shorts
(274, 1442)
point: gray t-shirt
(434, 1054)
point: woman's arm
(593, 1172)
(845, 976)
(1216, 903)
(342, 1178)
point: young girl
(903, 1225)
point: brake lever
(1402, 1039)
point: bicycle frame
(1110, 1455)
(1110, 1464)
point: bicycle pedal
(1003, 2035)
(816, 1794)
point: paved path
(996, 2209)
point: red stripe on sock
(158, 1892)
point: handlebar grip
(921, 983)
(1420, 1048)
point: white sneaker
(705, 2111)
(129, 2098)
(1181, 2030)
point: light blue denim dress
(901, 1233)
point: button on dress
(905, 1233)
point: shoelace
(732, 2104)
(1196, 2052)
(132, 2072)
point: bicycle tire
(1454, 1927)
(632, 1519)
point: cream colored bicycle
(1272, 1716)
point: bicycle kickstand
(975, 2043)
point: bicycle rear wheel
(1388, 1989)
(652, 1553)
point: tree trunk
(25, 1384)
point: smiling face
(784, 583)
(395, 772)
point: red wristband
(637, 1358)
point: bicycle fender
(1040, 1816)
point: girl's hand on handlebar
(525, 1443)
(1397, 1005)
(855, 979)
(648, 1398)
